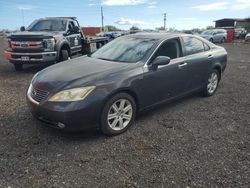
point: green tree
(134, 28)
(247, 25)
(111, 28)
(160, 28)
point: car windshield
(125, 49)
(207, 32)
(48, 25)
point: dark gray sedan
(128, 75)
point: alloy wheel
(212, 83)
(120, 114)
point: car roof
(58, 18)
(159, 36)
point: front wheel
(64, 55)
(211, 83)
(18, 67)
(118, 114)
(211, 40)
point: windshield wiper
(45, 30)
(105, 59)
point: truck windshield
(48, 25)
(125, 49)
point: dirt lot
(194, 142)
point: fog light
(61, 125)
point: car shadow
(167, 105)
(34, 68)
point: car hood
(78, 72)
(205, 36)
(36, 34)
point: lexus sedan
(108, 88)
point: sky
(145, 14)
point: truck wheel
(64, 55)
(18, 67)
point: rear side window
(193, 45)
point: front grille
(39, 95)
(26, 44)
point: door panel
(197, 66)
(166, 82)
(75, 42)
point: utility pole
(164, 19)
(22, 16)
(102, 18)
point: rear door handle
(182, 65)
(210, 56)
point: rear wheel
(223, 40)
(211, 83)
(118, 114)
(18, 67)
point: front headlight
(70, 95)
(49, 44)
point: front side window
(193, 45)
(125, 49)
(170, 49)
(206, 47)
(48, 25)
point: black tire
(206, 92)
(64, 55)
(223, 40)
(18, 67)
(105, 123)
(211, 40)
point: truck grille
(39, 95)
(26, 44)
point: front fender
(59, 45)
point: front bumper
(20, 57)
(67, 116)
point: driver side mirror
(75, 29)
(160, 60)
(22, 28)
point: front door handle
(210, 56)
(182, 65)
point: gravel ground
(193, 142)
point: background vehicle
(128, 75)
(247, 38)
(50, 40)
(215, 35)
(240, 33)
